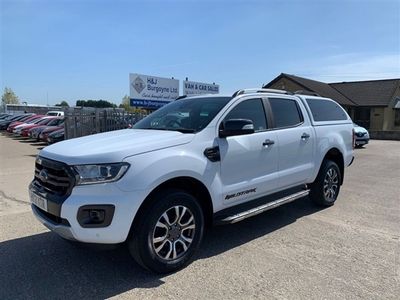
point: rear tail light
(354, 138)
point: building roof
(369, 93)
(354, 93)
(321, 88)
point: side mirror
(233, 127)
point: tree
(63, 104)
(126, 103)
(95, 103)
(9, 97)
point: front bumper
(63, 230)
(62, 217)
(361, 141)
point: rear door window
(326, 110)
(286, 112)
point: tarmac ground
(298, 251)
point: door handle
(268, 142)
(305, 136)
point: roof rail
(258, 90)
(303, 92)
(181, 97)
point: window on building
(253, 110)
(362, 116)
(397, 117)
(326, 110)
(286, 112)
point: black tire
(146, 231)
(325, 189)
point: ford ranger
(196, 161)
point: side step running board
(260, 209)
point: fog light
(96, 216)
(90, 216)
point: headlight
(90, 174)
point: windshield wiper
(182, 130)
(152, 128)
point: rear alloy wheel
(331, 184)
(167, 232)
(326, 187)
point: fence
(85, 121)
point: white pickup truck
(196, 161)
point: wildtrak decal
(230, 196)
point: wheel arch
(188, 184)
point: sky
(69, 50)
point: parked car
(34, 133)
(51, 128)
(55, 113)
(22, 130)
(26, 120)
(4, 115)
(17, 129)
(8, 120)
(214, 160)
(361, 135)
(55, 136)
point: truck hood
(113, 146)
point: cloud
(352, 67)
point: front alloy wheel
(174, 232)
(167, 231)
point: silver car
(362, 135)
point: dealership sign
(199, 88)
(151, 91)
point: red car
(45, 132)
(26, 120)
(35, 132)
(46, 121)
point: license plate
(361, 142)
(38, 201)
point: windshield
(186, 115)
(25, 118)
(38, 120)
(43, 121)
(14, 118)
(55, 122)
(33, 120)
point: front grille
(54, 177)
